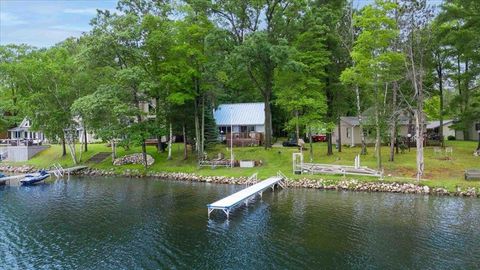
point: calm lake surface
(116, 223)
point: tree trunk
(114, 151)
(85, 138)
(478, 146)
(393, 124)
(339, 135)
(360, 121)
(329, 143)
(64, 148)
(297, 127)
(185, 152)
(311, 143)
(397, 142)
(268, 121)
(440, 88)
(419, 133)
(160, 148)
(202, 138)
(378, 140)
(197, 130)
(170, 143)
(418, 86)
(144, 153)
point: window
(224, 130)
(347, 131)
(247, 129)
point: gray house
(473, 132)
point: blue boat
(31, 179)
(2, 182)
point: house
(433, 129)
(473, 132)
(24, 135)
(23, 144)
(80, 134)
(245, 122)
(350, 129)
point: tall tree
(417, 37)
(376, 64)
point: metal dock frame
(228, 203)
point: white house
(24, 133)
(247, 120)
(23, 144)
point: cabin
(433, 129)
(350, 129)
(473, 132)
(244, 123)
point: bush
(451, 138)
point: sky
(44, 23)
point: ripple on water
(115, 223)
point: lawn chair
(437, 151)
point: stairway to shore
(99, 157)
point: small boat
(2, 182)
(31, 179)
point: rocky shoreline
(324, 184)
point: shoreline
(321, 183)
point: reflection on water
(112, 223)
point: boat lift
(299, 167)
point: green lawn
(439, 170)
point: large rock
(133, 159)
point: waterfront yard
(440, 169)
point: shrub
(451, 138)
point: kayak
(31, 179)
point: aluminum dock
(228, 203)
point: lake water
(117, 223)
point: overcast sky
(46, 22)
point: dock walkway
(20, 176)
(226, 204)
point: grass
(440, 171)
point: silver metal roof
(240, 114)
(436, 124)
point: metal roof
(240, 114)
(436, 124)
(351, 120)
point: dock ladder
(58, 170)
